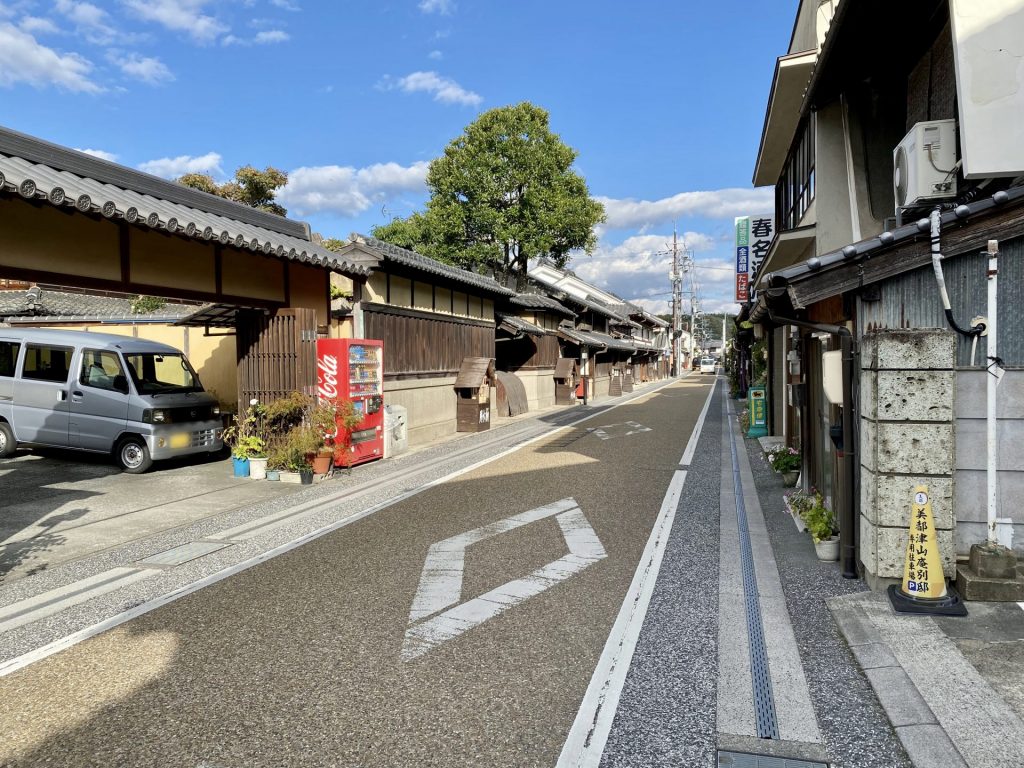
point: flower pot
(290, 477)
(258, 468)
(799, 521)
(240, 466)
(273, 474)
(306, 476)
(790, 477)
(322, 463)
(828, 549)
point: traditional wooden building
(431, 317)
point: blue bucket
(241, 467)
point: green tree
(503, 192)
(250, 187)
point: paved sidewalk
(953, 688)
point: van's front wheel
(133, 455)
(7, 443)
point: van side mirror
(121, 384)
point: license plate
(181, 441)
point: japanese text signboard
(753, 238)
(922, 574)
(758, 403)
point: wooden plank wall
(422, 347)
(276, 354)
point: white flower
(254, 401)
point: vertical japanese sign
(753, 238)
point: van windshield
(161, 373)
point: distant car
(708, 365)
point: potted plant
(821, 525)
(275, 463)
(786, 461)
(797, 504)
(299, 444)
(245, 437)
(345, 418)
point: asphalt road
(303, 660)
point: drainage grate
(182, 554)
(764, 705)
(746, 760)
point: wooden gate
(276, 354)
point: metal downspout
(847, 519)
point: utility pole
(677, 300)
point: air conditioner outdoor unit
(924, 164)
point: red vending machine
(354, 369)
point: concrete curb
(916, 726)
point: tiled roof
(536, 301)
(44, 172)
(84, 307)
(517, 325)
(600, 308)
(392, 253)
(595, 339)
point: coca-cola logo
(327, 377)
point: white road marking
(440, 585)
(56, 600)
(68, 641)
(635, 428)
(585, 742)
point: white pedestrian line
(56, 600)
(633, 428)
(586, 740)
(440, 585)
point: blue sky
(663, 101)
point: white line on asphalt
(56, 646)
(586, 740)
(56, 600)
(441, 581)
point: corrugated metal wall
(911, 300)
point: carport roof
(55, 305)
(44, 172)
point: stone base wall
(907, 408)
(540, 388)
(430, 404)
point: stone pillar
(908, 386)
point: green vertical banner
(757, 401)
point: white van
(708, 365)
(138, 400)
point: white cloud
(446, 91)
(637, 269)
(444, 7)
(23, 59)
(714, 204)
(286, 5)
(349, 191)
(271, 36)
(435, 55)
(173, 167)
(147, 69)
(100, 154)
(36, 25)
(266, 37)
(180, 16)
(90, 21)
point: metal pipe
(936, 232)
(847, 520)
(993, 382)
